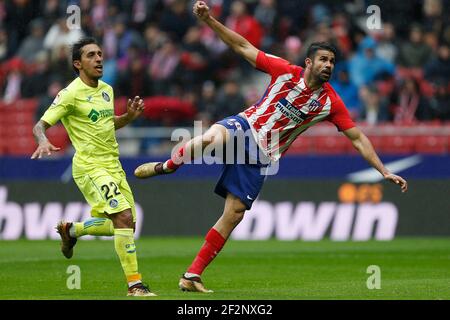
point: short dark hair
(315, 46)
(76, 49)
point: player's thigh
(127, 193)
(217, 134)
(102, 191)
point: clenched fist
(201, 10)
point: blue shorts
(243, 175)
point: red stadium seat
(407, 72)
(386, 87)
(397, 145)
(3, 143)
(2, 119)
(301, 145)
(165, 107)
(330, 145)
(25, 105)
(426, 88)
(58, 136)
(3, 132)
(432, 144)
(18, 130)
(376, 141)
(19, 117)
(20, 146)
(18, 140)
(120, 105)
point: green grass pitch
(411, 268)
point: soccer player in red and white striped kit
(295, 99)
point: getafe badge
(113, 203)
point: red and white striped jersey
(289, 107)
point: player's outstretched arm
(363, 145)
(235, 41)
(44, 146)
(134, 110)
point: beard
(323, 77)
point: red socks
(212, 246)
(176, 160)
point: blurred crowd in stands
(156, 48)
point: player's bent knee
(217, 134)
(234, 216)
(123, 219)
(237, 217)
(209, 137)
(238, 207)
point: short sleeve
(340, 116)
(60, 107)
(272, 65)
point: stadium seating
(120, 105)
(432, 144)
(20, 146)
(58, 136)
(301, 145)
(16, 124)
(397, 145)
(17, 120)
(330, 145)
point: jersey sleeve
(60, 107)
(272, 65)
(340, 116)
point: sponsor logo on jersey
(290, 111)
(94, 115)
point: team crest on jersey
(314, 105)
(234, 123)
(106, 96)
(113, 203)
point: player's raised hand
(135, 107)
(201, 10)
(44, 148)
(397, 180)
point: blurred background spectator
(414, 52)
(374, 109)
(410, 104)
(229, 100)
